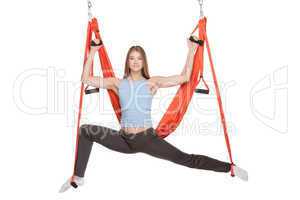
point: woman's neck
(135, 76)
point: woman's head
(136, 62)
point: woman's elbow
(83, 81)
(184, 79)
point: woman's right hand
(96, 48)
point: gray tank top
(136, 101)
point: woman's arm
(169, 81)
(95, 81)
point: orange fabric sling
(177, 108)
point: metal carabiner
(201, 8)
(90, 5)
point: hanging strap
(86, 52)
(222, 115)
(202, 28)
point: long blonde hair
(145, 70)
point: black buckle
(91, 91)
(74, 185)
(202, 91)
(193, 39)
(94, 44)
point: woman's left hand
(191, 45)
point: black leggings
(146, 142)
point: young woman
(135, 92)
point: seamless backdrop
(255, 48)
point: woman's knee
(182, 158)
(91, 131)
(84, 130)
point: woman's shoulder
(154, 79)
(119, 81)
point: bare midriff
(134, 130)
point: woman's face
(135, 61)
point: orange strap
(219, 103)
(87, 49)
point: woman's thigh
(107, 137)
(160, 148)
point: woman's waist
(135, 130)
(133, 113)
(136, 120)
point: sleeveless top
(136, 101)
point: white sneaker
(78, 180)
(241, 173)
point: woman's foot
(79, 181)
(241, 173)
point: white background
(255, 47)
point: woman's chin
(136, 69)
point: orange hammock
(176, 110)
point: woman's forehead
(135, 53)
